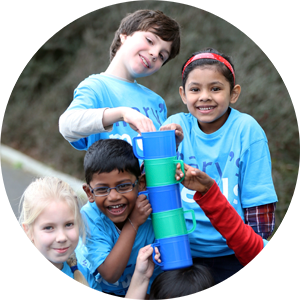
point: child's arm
(115, 263)
(143, 271)
(75, 124)
(239, 237)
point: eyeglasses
(122, 188)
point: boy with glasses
(117, 217)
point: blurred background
(45, 88)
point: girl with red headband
(229, 146)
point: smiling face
(115, 206)
(207, 96)
(55, 232)
(141, 54)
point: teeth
(143, 59)
(116, 206)
(205, 108)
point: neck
(118, 70)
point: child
(145, 41)
(240, 237)
(117, 217)
(50, 216)
(231, 148)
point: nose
(154, 52)
(204, 96)
(113, 195)
(61, 237)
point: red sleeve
(240, 237)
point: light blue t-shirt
(99, 91)
(237, 157)
(102, 236)
(85, 272)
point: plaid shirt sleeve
(261, 219)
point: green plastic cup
(162, 171)
(171, 223)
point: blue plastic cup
(163, 198)
(155, 144)
(175, 252)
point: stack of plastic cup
(158, 150)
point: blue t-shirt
(102, 235)
(100, 91)
(237, 157)
(85, 272)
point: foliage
(44, 89)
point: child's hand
(141, 210)
(178, 132)
(137, 121)
(194, 179)
(144, 263)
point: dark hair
(207, 61)
(107, 155)
(149, 20)
(181, 282)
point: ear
(142, 183)
(123, 37)
(235, 93)
(182, 94)
(88, 192)
(27, 231)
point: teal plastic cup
(162, 171)
(171, 223)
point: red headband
(211, 56)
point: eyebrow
(126, 180)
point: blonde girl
(50, 216)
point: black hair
(181, 282)
(105, 156)
(207, 61)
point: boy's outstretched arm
(75, 124)
(143, 271)
(115, 263)
(240, 237)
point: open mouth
(206, 109)
(145, 62)
(117, 209)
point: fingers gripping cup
(162, 171)
(171, 223)
(162, 198)
(156, 144)
(175, 253)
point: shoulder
(94, 81)
(246, 124)
(180, 118)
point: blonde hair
(38, 195)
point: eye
(215, 89)
(149, 41)
(101, 190)
(69, 225)
(161, 57)
(194, 89)
(48, 228)
(125, 186)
